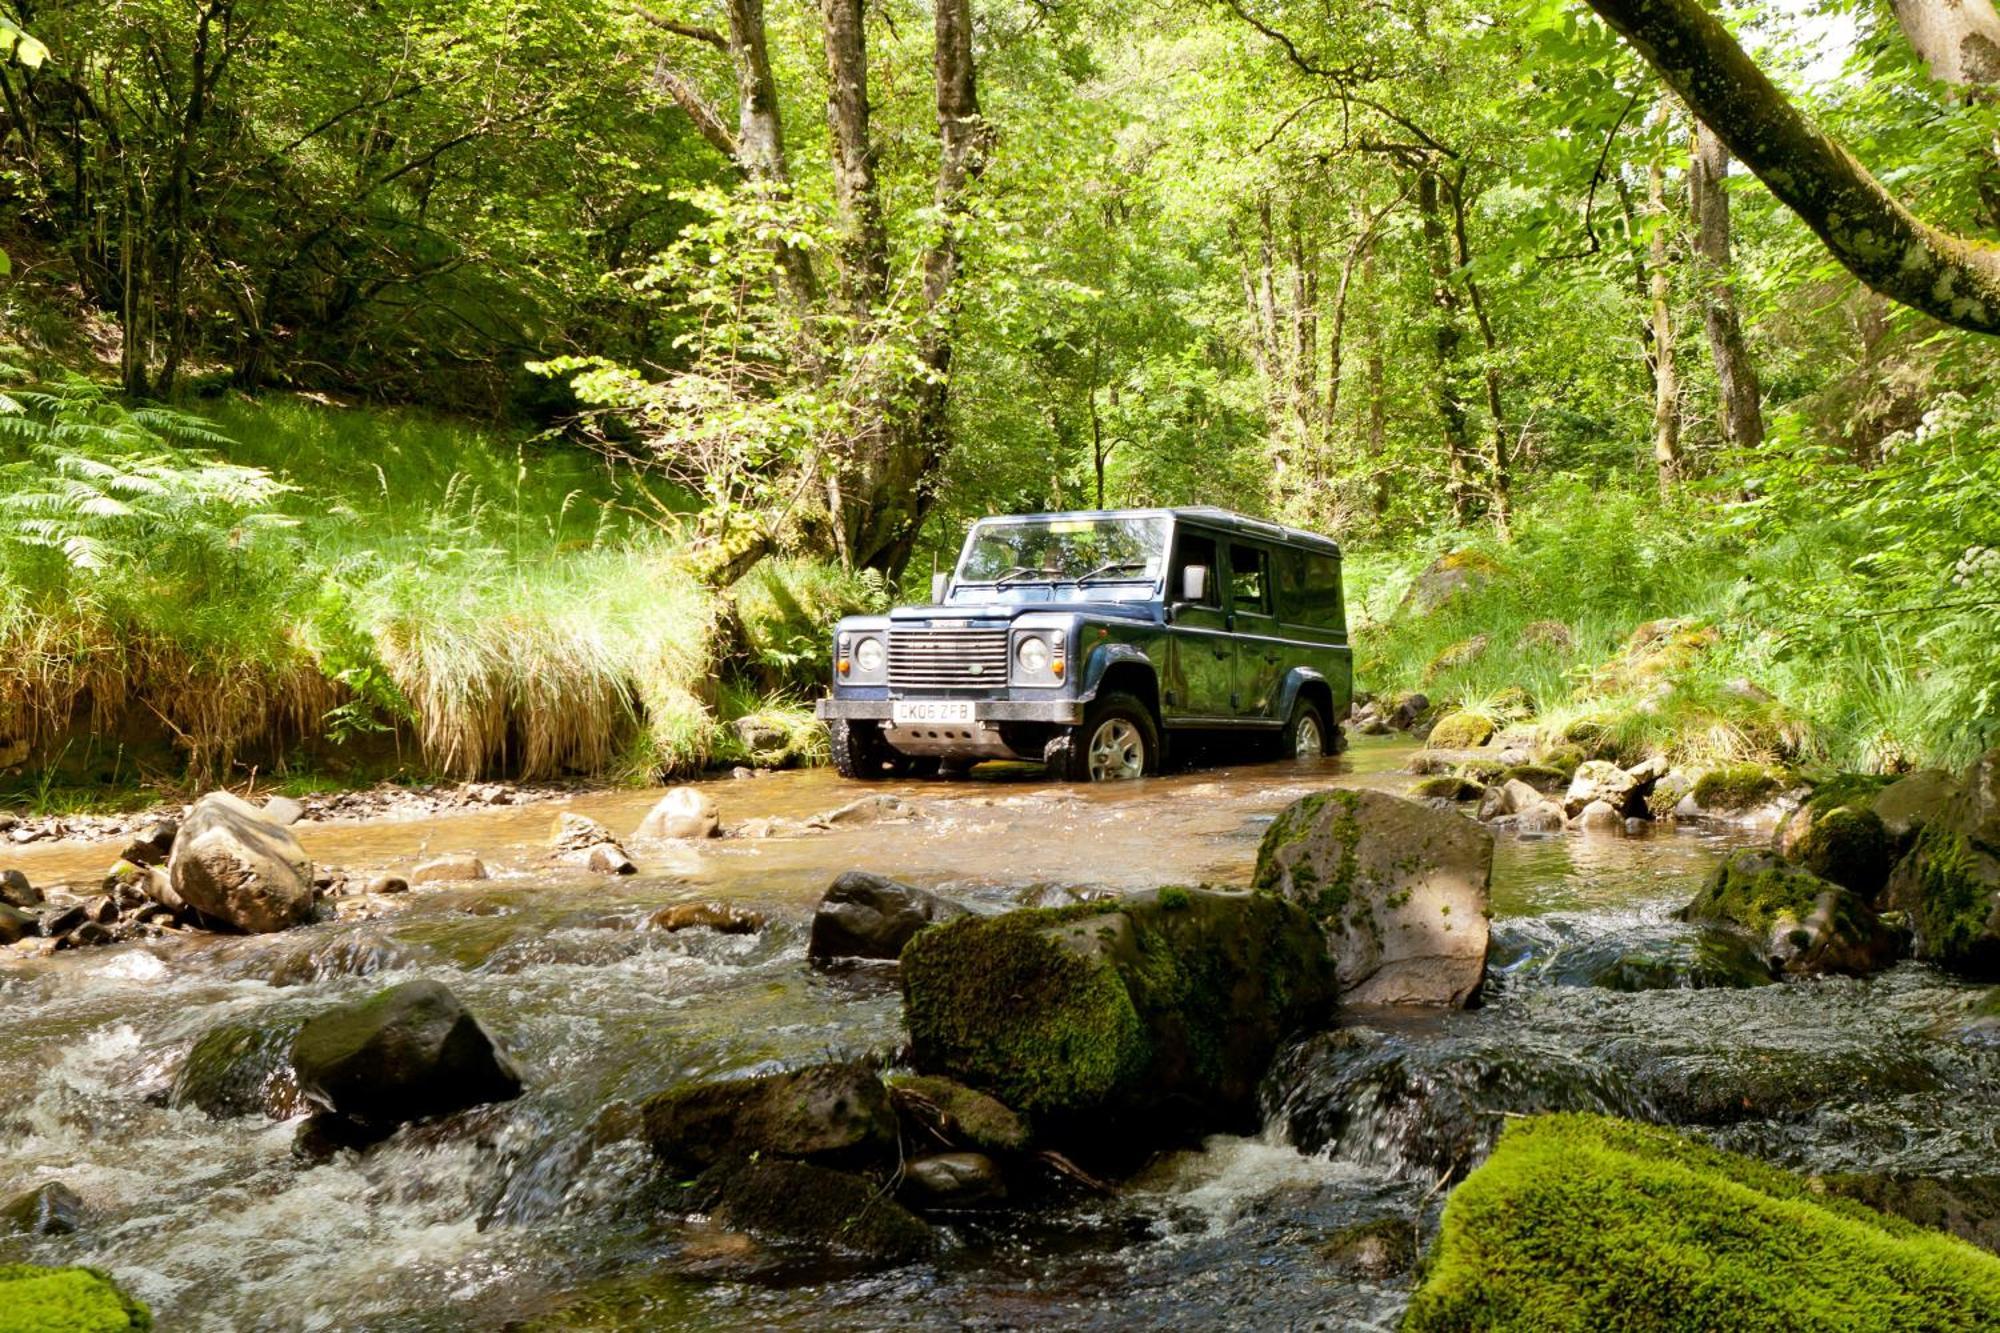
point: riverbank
(543, 1212)
(302, 595)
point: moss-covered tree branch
(1868, 229)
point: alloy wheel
(1117, 751)
(1307, 743)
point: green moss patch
(963, 1115)
(1447, 787)
(1950, 890)
(1754, 890)
(1580, 1222)
(65, 1300)
(1460, 731)
(1737, 786)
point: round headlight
(868, 655)
(1033, 655)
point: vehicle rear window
(1310, 590)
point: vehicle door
(1201, 659)
(1259, 657)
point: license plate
(905, 712)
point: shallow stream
(532, 1214)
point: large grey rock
(865, 915)
(1121, 1023)
(239, 870)
(407, 1053)
(832, 1114)
(1399, 889)
(682, 813)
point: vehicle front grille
(947, 658)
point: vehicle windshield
(1116, 556)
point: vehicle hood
(992, 612)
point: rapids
(534, 1214)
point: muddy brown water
(527, 1216)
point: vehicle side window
(1250, 580)
(1309, 590)
(1195, 549)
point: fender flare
(1105, 656)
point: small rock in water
(1599, 817)
(1373, 1250)
(1599, 780)
(16, 891)
(283, 811)
(683, 812)
(16, 924)
(410, 1052)
(152, 845)
(718, 917)
(867, 810)
(48, 1210)
(388, 884)
(454, 867)
(585, 842)
(954, 1180)
(800, 1202)
(865, 915)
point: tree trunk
(1708, 200)
(1445, 346)
(1865, 227)
(760, 132)
(1501, 479)
(1666, 381)
(902, 493)
(1958, 39)
(864, 249)
(1378, 393)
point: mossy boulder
(801, 1203)
(1838, 836)
(1451, 574)
(1711, 959)
(1463, 653)
(1104, 1015)
(1544, 778)
(1447, 787)
(1399, 890)
(1460, 731)
(1949, 884)
(833, 1114)
(956, 1114)
(1807, 924)
(1579, 1222)
(34, 1299)
(1733, 788)
(1914, 801)
(242, 1069)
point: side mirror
(939, 583)
(1194, 583)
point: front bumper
(1062, 712)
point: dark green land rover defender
(1088, 640)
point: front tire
(1306, 735)
(859, 752)
(1117, 742)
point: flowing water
(534, 1214)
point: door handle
(1270, 657)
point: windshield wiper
(1021, 572)
(1109, 567)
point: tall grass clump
(1799, 608)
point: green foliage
(1582, 1222)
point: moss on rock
(1950, 890)
(961, 1114)
(798, 1202)
(34, 1299)
(1580, 1222)
(1809, 924)
(1460, 731)
(1448, 787)
(1733, 787)
(1112, 1009)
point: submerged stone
(1107, 1015)
(1582, 1222)
(954, 1180)
(802, 1203)
(834, 1114)
(1375, 1250)
(47, 1210)
(242, 1069)
(1398, 889)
